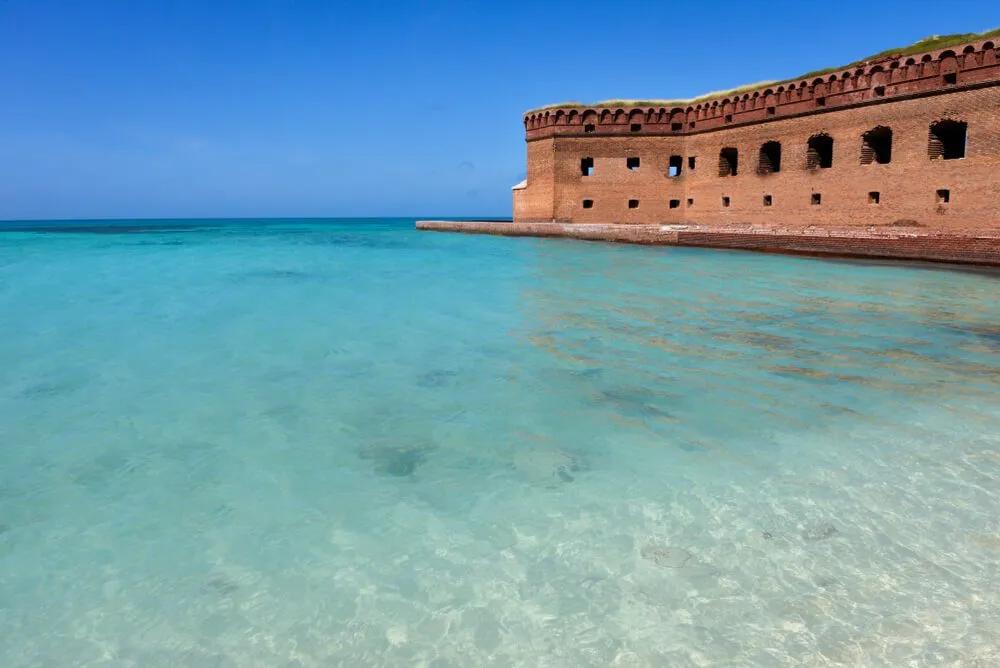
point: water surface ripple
(236, 443)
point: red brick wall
(914, 96)
(536, 201)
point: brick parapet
(875, 82)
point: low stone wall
(967, 248)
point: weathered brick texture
(906, 95)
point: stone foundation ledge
(971, 247)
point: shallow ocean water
(349, 443)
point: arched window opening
(728, 162)
(876, 146)
(946, 140)
(819, 152)
(769, 160)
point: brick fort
(894, 156)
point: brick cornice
(964, 67)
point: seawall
(980, 248)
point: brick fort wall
(899, 142)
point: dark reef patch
(399, 461)
(987, 333)
(436, 378)
(274, 275)
(638, 402)
(220, 585)
(355, 240)
(819, 532)
(665, 555)
(47, 389)
(566, 471)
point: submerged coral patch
(636, 402)
(399, 461)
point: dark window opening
(674, 166)
(771, 111)
(633, 204)
(816, 199)
(589, 127)
(587, 166)
(950, 79)
(690, 201)
(691, 125)
(676, 127)
(947, 140)
(879, 91)
(636, 127)
(768, 200)
(769, 161)
(943, 196)
(819, 152)
(820, 101)
(691, 161)
(729, 118)
(588, 204)
(728, 162)
(632, 163)
(876, 146)
(725, 201)
(874, 197)
(675, 203)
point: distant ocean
(319, 442)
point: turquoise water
(346, 442)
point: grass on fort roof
(931, 43)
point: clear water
(347, 442)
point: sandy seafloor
(299, 443)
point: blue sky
(133, 108)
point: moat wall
(916, 188)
